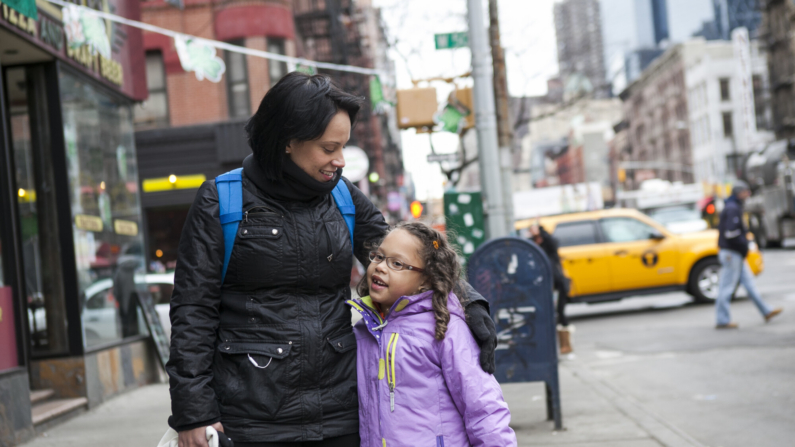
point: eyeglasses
(393, 263)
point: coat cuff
(171, 423)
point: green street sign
(449, 41)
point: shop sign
(125, 227)
(88, 223)
(91, 41)
(21, 21)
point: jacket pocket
(339, 257)
(257, 257)
(258, 379)
(341, 369)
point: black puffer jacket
(282, 307)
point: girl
(417, 362)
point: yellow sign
(26, 24)
(125, 227)
(88, 223)
(173, 182)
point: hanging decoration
(197, 56)
(377, 100)
(308, 69)
(82, 27)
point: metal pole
(504, 128)
(486, 125)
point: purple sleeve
(476, 394)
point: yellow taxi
(615, 253)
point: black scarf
(296, 185)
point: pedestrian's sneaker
(728, 326)
(773, 313)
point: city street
(646, 372)
(659, 361)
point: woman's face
(322, 157)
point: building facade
(778, 35)
(655, 108)
(718, 98)
(193, 130)
(71, 332)
(578, 30)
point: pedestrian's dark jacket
(732, 228)
(549, 244)
(281, 307)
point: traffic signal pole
(498, 220)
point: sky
(528, 36)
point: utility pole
(504, 128)
(486, 126)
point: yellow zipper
(390, 367)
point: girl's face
(322, 157)
(387, 285)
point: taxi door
(640, 255)
(584, 259)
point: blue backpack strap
(342, 195)
(230, 202)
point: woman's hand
(198, 436)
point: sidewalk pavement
(595, 414)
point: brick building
(655, 107)
(778, 33)
(193, 129)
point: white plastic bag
(171, 438)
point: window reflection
(103, 188)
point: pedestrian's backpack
(230, 201)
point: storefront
(71, 245)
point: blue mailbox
(515, 276)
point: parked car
(616, 253)
(100, 314)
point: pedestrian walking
(262, 346)
(733, 245)
(549, 244)
(419, 379)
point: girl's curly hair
(442, 269)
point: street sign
(443, 157)
(515, 276)
(449, 41)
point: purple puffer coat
(416, 391)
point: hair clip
(436, 244)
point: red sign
(8, 333)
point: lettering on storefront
(26, 24)
(107, 68)
(125, 227)
(51, 33)
(88, 223)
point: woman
(267, 354)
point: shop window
(154, 111)
(36, 208)
(728, 129)
(724, 89)
(276, 69)
(103, 191)
(237, 83)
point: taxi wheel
(703, 284)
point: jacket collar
(403, 307)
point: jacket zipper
(390, 367)
(249, 211)
(328, 239)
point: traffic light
(416, 209)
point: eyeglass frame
(387, 258)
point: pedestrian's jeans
(734, 269)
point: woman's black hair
(299, 107)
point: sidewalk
(594, 415)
